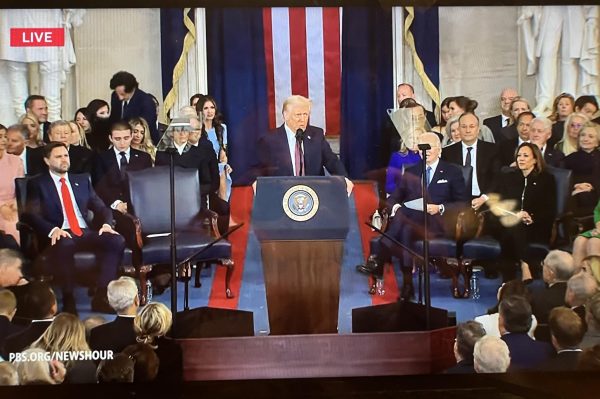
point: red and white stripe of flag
(303, 56)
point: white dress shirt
(291, 138)
(474, 182)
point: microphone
(300, 135)
(424, 146)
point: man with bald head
(496, 123)
(447, 195)
(81, 158)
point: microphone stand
(172, 152)
(423, 148)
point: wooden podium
(301, 223)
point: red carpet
(241, 210)
(365, 195)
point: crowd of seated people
(511, 184)
(131, 348)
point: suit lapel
(53, 193)
(283, 152)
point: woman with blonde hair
(77, 135)
(140, 136)
(67, 333)
(573, 125)
(151, 326)
(31, 123)
(39, 371)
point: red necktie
(299, 159)
(69, 209)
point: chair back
(150, 198)
(21, 194)
(562, 177)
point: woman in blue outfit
(216, 132)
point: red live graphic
(37, 37)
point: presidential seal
(300, 203)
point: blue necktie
(428, 175)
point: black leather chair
(85, 262)
(195, 228)
(486, 248)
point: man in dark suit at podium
(296, 148)
(447, 195)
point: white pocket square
(441, 181)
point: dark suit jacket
(506, 151)
(7, 329)
(509, 132)
(553, 157)
(487, 166)
(525, 352)
(462, 367)
(546, 299)
(81, 160)
(114, 336)
(563, 361)
(18, 342)
(275, 160)
(140, 105)
(170, 356)
(44, 209)
(201, 157)
(107, 178)
(495, 125)
(447, 188)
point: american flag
(303, 56)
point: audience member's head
(39, 302)
(195, 98)
(586, 105)
(510, 288)
(41, 371)
(124, 85)
(589, 137)
(117, 369)
(60, 131)
(592, 313)
(153, 321)
(468, 125)
(491, 355)
(404, 90)
(65, 333)
(589, 359)
(514, 315)
(461, 104)
(11, 263)
(563, 106)
(566, 328)
(97, 109)
(517, 106)
(8, 303)
(467, 334)
(31, 123)
(120, 136)
(540, 131)
(452, 130)
(123, 296)
(145, 361)
(507, 96)
(196, 131)
(82, 120)
(580, 287)
(523, 123)
(17, 137)
(140, 131)
(187, 111)
(37, 105)
(558, 266)
(8, 374)
(92, 322)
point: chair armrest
(209, 220)
(137, 228)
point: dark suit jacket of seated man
(46, 212)
(276, 149)
(447, 195)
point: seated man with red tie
(57, 208)
(447, 195)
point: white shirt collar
(118, 153)
(180, 148)
(465, 146)
(57, 178)
(433, 167)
